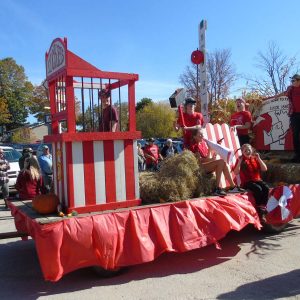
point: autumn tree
(5, 116)
(142, 103)
(156, 120)
(276, 69)
(15, 90)
(221, 75)
(39, 102)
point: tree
(220, 75)
(39, 102)
(5, 116)
(16, 91)
(142, 103)
(276, 68)
(156, 120)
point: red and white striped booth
(92, 170)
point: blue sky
(151, 38)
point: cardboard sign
(272, 126)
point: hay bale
(287, 172)
(179, 178)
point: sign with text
(56, 57)
(272, 126)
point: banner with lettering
(272, 126)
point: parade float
(102, 222)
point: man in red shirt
(151, 152)
(241, 121)
(293, 93)
(191, 120)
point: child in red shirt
(191, 120)
(152, 155)
(250, 166)
(29, 182)
(211, 164)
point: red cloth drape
(136, 235)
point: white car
(12, 156)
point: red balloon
(197, 57)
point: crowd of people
(35, 176)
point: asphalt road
(251, 265)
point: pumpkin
(45, 204)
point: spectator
(191, 120)
(4, 167)
(109, 119)
(45, 161)
(152, 155)
(250, 166)
(29, 182)
(241, 121)
(141, 158)
(168, 149)
(293, 93)
(211, 164)
(27, 152)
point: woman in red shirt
(191, 120)
(210, 164)
(29, 182)
(249, 166)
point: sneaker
(219, 192)
(242, 190)
(234, 190)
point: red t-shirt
(250, 170)
(241, 118)
(109, 114)
(200, 148)
(152, 151)
(294, 96)
(27, 187)
(190, 120)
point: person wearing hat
(189, 121)
(26, 153)
(152, 155)
(45, 161)
(109, 118)
(168, 149)
(293, 93)
(4, 179)
(241, 121)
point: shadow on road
(21, 277)
(279, 286)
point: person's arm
(114, 125)
(262, 164)
(114, 120)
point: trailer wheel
(104, 273)
(269, 228)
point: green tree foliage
(39, 102)
(23, 135)
(156, 120)
(16, 91)
(142, 103)
(5, 116)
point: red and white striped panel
(230, 140)
(92, 173)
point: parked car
(12, 155)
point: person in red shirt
(210, 164)
(241, 121)
(109, 119)
(249, 166)
(29, 182)
(293, 93)
(152, 155)
(191, 120)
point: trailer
(96, 175)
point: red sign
(197, 57)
